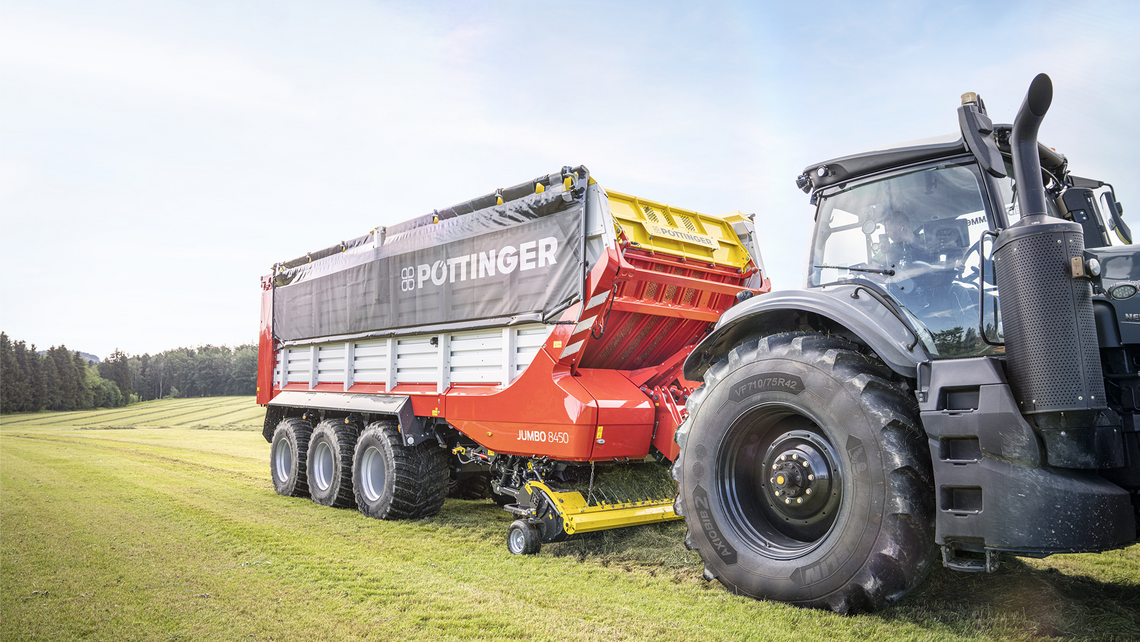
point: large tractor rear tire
(804, 477)
(394, 481)
(330, 463)
(288, 453)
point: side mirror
(1116, 214)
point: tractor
(957, 380)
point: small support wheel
(522, 538)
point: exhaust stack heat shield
(1051, 342)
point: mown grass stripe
(126, 415)
(417, 574)
(159, 414)
(163, 403)
(198, 418)
(203, 462)
(153, 580)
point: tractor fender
(863, 318)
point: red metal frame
(266, 352)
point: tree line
(60, 379)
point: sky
(157, 158)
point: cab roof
(843, 168)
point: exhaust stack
(1052, 356)
(1026, 161)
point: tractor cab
(916, 233)
(912, 220)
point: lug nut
(787, 500)
(811, 477)
(799, 500)
(807, 491)
(772, 481)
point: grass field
(159, 522)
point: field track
(159, 522)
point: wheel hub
(782, 481)
(283, 459)
(788, 479)
(799, 482)
(323, 466)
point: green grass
(168, 532)
(233, 413)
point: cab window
(917, 234)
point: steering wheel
(971, 279)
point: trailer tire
(395, 481)
(288, 453)
(523, 538)
(331, 449)
(804, 476)
(470, 487)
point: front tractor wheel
(804, 477)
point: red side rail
(266, 355)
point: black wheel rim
(782, 486)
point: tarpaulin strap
(606, 319)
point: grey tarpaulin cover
(518, 258)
